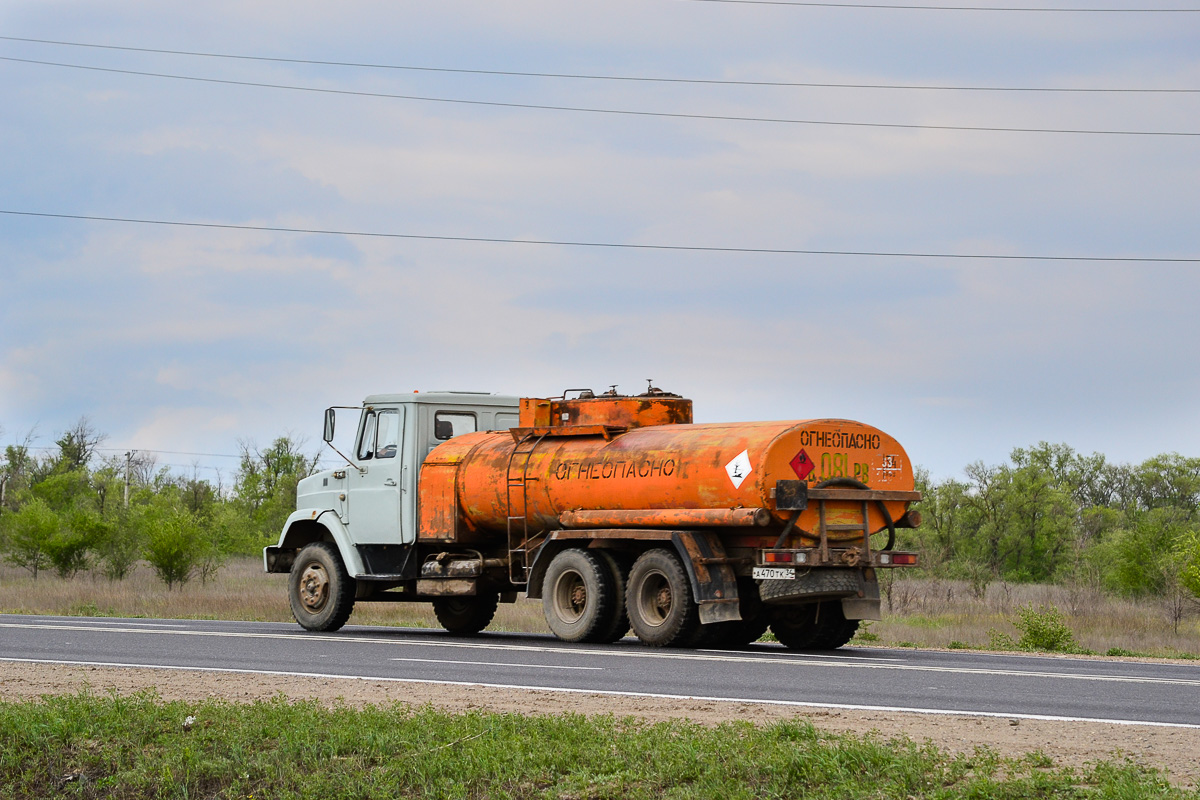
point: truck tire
(736, 634)
(812, 626)
(795, 626)
(812, 585)
(618, 621)
(579, 596)
(659, 600)
(320, 591)
(468, 615)
(835, 629)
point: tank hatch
(609, 409)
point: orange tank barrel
(593, 470)
(667, 518)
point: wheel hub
(570, 597)
(662, 600)
(314, 587)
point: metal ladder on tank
(825, 528)
(517, 479)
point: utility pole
(128, 458)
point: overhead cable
(610, 245)
(142, 450)
(599, 77)
(612, 111)
(903, 7)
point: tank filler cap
(654, 391)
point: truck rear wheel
(812, 626)
(320, 591)
(466, 615)
(618, 619)
(739, 633)
(836, 630)
(580, 597)
(659, 600)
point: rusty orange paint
(471, 485)
(614, 412)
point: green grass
(142, 747)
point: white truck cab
(373, 498)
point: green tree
(120, 545)
(64, 490)
(266, 483)
(69, 549)
(1044, 513)
(76, 446)
(175, 542)
(1143, 556)
(228, 533)
(1169, 481)
(1188, 553)
(18, 463)
(28, 534)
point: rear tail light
(904, 559)
(777, 558)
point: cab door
(376, 486)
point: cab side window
(380, 437)
(448, 424)
(366, 437)
(387, 439)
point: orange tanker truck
(618, 512)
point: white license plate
(774, 574)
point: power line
(611, 245)
(1051, 9)
(144, 450)
(167, 452)
(613, 111)
(595, 77)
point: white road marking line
(843, 657)
(610, 693)
(104, 621)
(784, 660)
(492, 664)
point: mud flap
(865, 607)
(714, 583)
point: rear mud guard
(714, 582)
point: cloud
(186, 339)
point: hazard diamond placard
(802, 465)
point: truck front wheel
(466, 616)
(659, 600)
(581, 598)
(320, 591)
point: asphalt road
(960, 682)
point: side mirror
(329, 420)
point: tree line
(1048, 515)
(72, 509)
(1053, 515)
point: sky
(188, 340)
